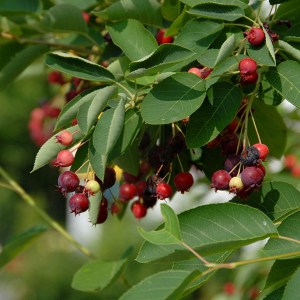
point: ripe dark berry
(230, 164)
(247, 66)
(263, 150)
(220, 180)
(163, 191)
(162, 38)
(255, 36)
(178, 143)
(183, 181)
(68, 182)
(250, 156)
(152, 183)
(109, 179)
(252, 176)
(103, 211)
(129, 178)
(138, 209)
(65, 138)
(229, 143)
(149, 199)
(79, 203)
(127, 191)
(64, 158)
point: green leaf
(94, 207)
(214, 11)
(287, 48)
(146, 11)
(168, 235)
(161, 286)
(192, 3)
(19, 244)
(198, 35)
(141, 42)
(162, 59)
(226, 49)
(50, 149)
(173, 99)
(19, 63)
(280, 273)
(79, 165)
(276, 199)
(109, 128)
(288, 11)
(261, 55)
(97, 274)
(285, 79)
(267, 93)
(269, 45)
(89, 111)
(132, 125)
(97, 160)
(14, 7)
(275, 295)
(268, 120)
(64, 18)
(213, 229)
(214, 115)
(208, 58)
(289, 227)
(292, 289)
(78, 67)
(170, 9)
(70, 110)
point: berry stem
(180, 164)
(255, 127)
(30, 201)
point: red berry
(64, 158)
(140, 188)
(129, 178)
(183, 181)
(255, 36)
(229, 288)
(103, 211)
(290, 161)
(68, 182)
(263, 150)
(127, 191)
(252, 176)
(56, 77)
(79, 203)
(295, 171)
(220, 180)
(116, 207)
(86, 16)
(247, 66)
(162, 39)
(65, 138)
(138, 209)
(249, 78)
(262, 167)
(195, 71)
(163, 191)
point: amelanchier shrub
(156, 87)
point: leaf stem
(124, 88)
(195, 253)
(56, 226)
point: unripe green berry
(92, 187)
(235, 184)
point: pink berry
(127, 191)
(138, 209)
(183, 181)
(163, 191)
(64, 158)
(68, 182)
(220, 180)
(195, 71)
(79, 203)
(65, 138)
(255, 36)
(247, 66)
(263, 150)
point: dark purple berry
(220, 180)
(183, 181)
(231, 163)
(149, 199)
(250, 156)
(68, 182)
(252, 176)
(79, 203)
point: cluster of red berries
(292, 164)
(248, 71)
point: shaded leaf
(173, 99)
(141, 42)
(292, 289)
(14, 7)
(49, 150)
(214, 115)
(19, 244)
(241, 4)
(97, 274)
(261, 55)
(97, 160)
(287, 48)
(94, 207)
(78, 67)
(285, 79)
(212, 229)
(275, 295)
(174, 283)
(226, 49)
(170, 9)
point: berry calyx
(92, 187)
(127, 191)
(162, 38)
(138, 209)
(252, 177)
(255, 36)
(64, 158)
(220, 180)
(79, 203)
(263, 150)
(68, 182)
(65, 138)
(163, 191)
(247, 66)
(183, 181)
